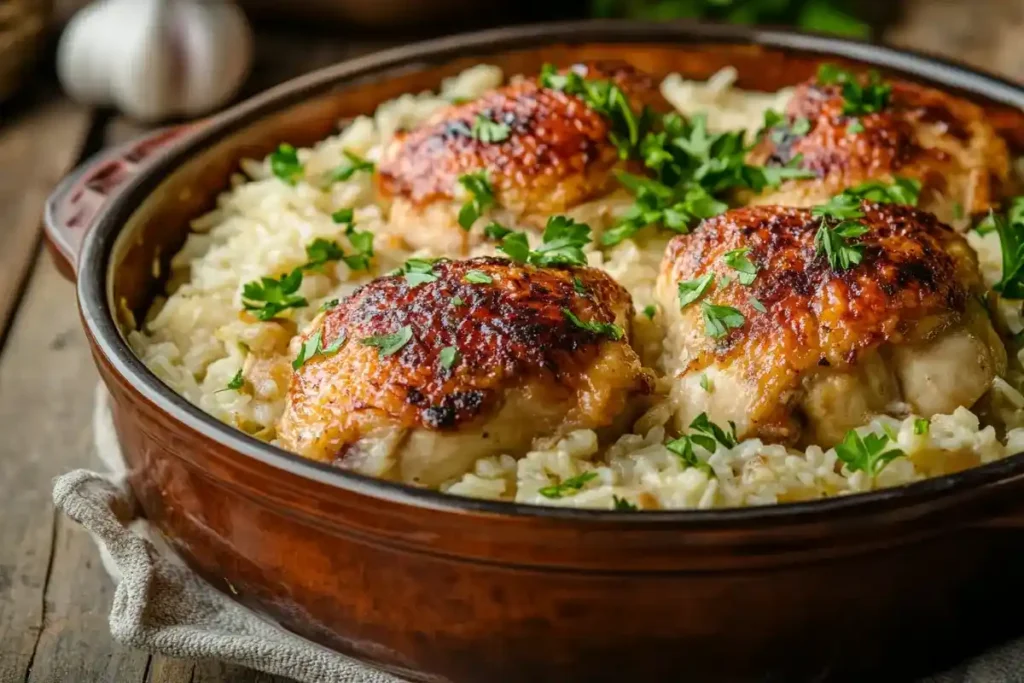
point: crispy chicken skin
(557, 155)
(523, 370)
(833, 348)
(941, 140)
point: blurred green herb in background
(824, 16)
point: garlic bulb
(156, 59)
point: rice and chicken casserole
(586, 288)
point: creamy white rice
(196, 341)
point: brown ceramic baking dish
(442, 588)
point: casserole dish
(441, 588)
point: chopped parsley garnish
(328, 305)
(900, 191)
(758, 306)
(674, 208)
(568, 486)
(314, 347)
(837, 228)
(921, 425)
(702, 424)
(284, 163)
(861, 96)
(320, 252)
(739, 260)
(478, 277)
(448, 357)
(1010, 228)
(855, 127)
(355, 164)
(267, 297)
(623, 504)
(801, 126)
(718, 320)
(342, 216)
(458, 301)
(683, 448)
(578, 286)
(724, 281)
(705, 383)
(487, 131)
(389, 344)
(607, 329)
(561, 244)
(482, 196)
(362, 242)
(234, 384)
(691, 290)
(649, 311)
(958, 210)
(418, 271)
(496, 231)
(869, 454)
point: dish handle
(77, 202)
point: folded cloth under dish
(161, 606)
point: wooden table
(54, 594)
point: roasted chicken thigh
(423, 375)
(542, 151)
(919, 133)
(799, 350)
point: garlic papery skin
(156, 59)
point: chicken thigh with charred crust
(542, 151)
(415, 377)
(798, 332)
(881, 130)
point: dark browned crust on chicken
(556, 155)
(506, 331)
(914, 280)
(919, 135)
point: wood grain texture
(37, 147)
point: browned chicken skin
(523, 370)
(557, 155)
(936, 138)
(833, 348)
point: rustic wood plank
(54, 594)
(37, 147)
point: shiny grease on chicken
(478, 358)
(813, 350)
(940, 140)
(553, 154)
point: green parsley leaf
(568, 486)
(284, 163)
(845, 206)
(921, 425)
(623, 504)
(362, 242)
(773, 176)
(718, 320)
(478, 277)
(683, 448)
(834, 243)
(342, 216)
(855, 126)
(458, 301)
(869, 454)
(320, 252)
(482, 197)
(389, 344)
(724, 281)
(758, 306)
(649, 311)
(496, 231)
(739, 260)
(1010, 229)
(900, 191)
(578, 286)
(267, 297)
(867, 95)
(958, 211)
(702, 424)
(562, 243)
(418, 271)
(691, 290)
(448, 356)
(355, 164)
(607, 329)
(313, 346)
(705, 383)
(328, 305)
(234, 384)
(487, 131)
(515, 246)
(801, 126)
